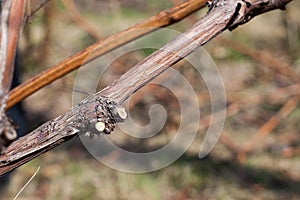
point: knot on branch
(7, 133)
(109, 113)
(244, 10)
(247, 10)
(106, 113)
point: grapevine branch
(102, 110)
(75, 61)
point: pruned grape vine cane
(98, 111)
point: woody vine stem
(102, 110)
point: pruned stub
(108, 113)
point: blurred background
(257, 155)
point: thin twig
(229, 143)
(78, 19)
(276, 96)
(11, 24)
(16, 23)
(265, 129)
(263, 57)
(33, 12)
(5, 6)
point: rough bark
(223, 14)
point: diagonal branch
(33, 11)
(102, 110)
(78, 19)
(75, 61)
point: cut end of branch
(108, 113)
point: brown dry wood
(11, 24)
(162, 19)
(4, 67)
(226, 15)
(266, 128)
(82, 117)
(12, 15)
(5, 125)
